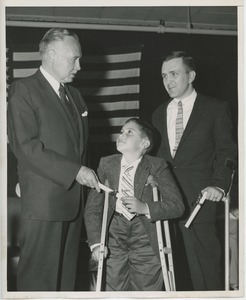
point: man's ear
(51, 54)
(192, 76)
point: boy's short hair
(146, 129)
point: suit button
(174, 167)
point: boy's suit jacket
(49, 152)
(206, 153)
(109, 169)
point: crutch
(168, 274)
(227, 243)
(227, 233)
(103, 236)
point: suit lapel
(141, 177)
(165, 134)
(116, 165)
(194, 118)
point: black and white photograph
(122, 150)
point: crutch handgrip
(167, 250)
(196, 210)
(152, 182)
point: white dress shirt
(172, 111)
(52, 81)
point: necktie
(179, 127)
(127, 182)
(126, 189)
(68, 104)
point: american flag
(109, 83)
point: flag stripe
(112, 98)
(113, 90)
(112, 58)
(108, 122)
(112, 106)
(20, 73)
(110, 82)
(112, 66)
(110, 74)
(22, 56)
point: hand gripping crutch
(168, 274)
(103, 236)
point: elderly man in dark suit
(48, 131)
(196, 141)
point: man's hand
(135, 205)
(95, 255)
(213, 193)
(87, 176)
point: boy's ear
(145, 143)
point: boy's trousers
(132, 264)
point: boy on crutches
(133, 262)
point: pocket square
(84, 114)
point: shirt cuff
(94, 246)
(148, 214)
(224, 194)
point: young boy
(133, 262)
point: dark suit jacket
(109, 169)
(49, 153)
(206, 153)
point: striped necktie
(127, 189)
(179, 127)
(127, 182)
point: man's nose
(77, 65)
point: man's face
(130, 139)
(176, 79)
(65, 63)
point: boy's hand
(96, 253)
(135, 205)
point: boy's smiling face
(131, 140)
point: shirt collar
(189, 100)
(134, 164)
(52, 81)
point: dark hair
(187, 59)
(146, 129)
(54, 34)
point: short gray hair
(54, 34)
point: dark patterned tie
(179, 127)
(68, 104)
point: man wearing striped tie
(196, 141)
(133, 262)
